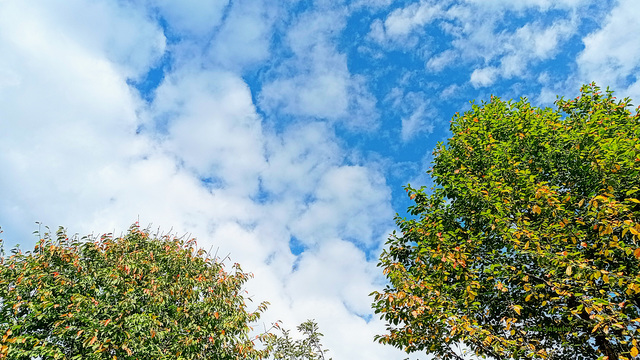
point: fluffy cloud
(483, 77)
(67, 110)
(245, 36)
(315, 81)
(298, 157)
(403, 22)
(479, 40)
(512, 53)
(212, 127)
(333, 282)
(611, 56)
(348, 202)
(192, 17)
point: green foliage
(134, 297)
(529, 245)
(286, 348)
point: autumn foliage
(529, 244)
(134, 297)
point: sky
(279, 132)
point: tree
(285, 348)
(528, 245)
(134, 297)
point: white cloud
(612, 53)
(348, 202)
(67, 111)
(493, 53)
(333, 283)
(532, 43)
(541, 5)
(192, 17)
(318, 95)
(376, 31)
(315, 82)
(244, 38)
(483, 77)
(440, 61)
(449, 91)
(403, 25)
(515, 52)
(119, 32)
(414, 110)
(213, 128)
(298, 157)
(370, 4)
(402, 21)
(414, 124)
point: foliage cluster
(529, 244)
(134, 297)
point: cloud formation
(611, 56)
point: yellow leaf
(568, 270)
(517, 308)
(536, 209)
(634, 351)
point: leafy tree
(286, 348)
(529, 244)
(134, 297)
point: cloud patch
(611, 54)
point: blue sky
(280, 132)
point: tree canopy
(284, 347)
(138, 296)
(528, 246)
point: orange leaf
(93, 339)
(637, 253)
